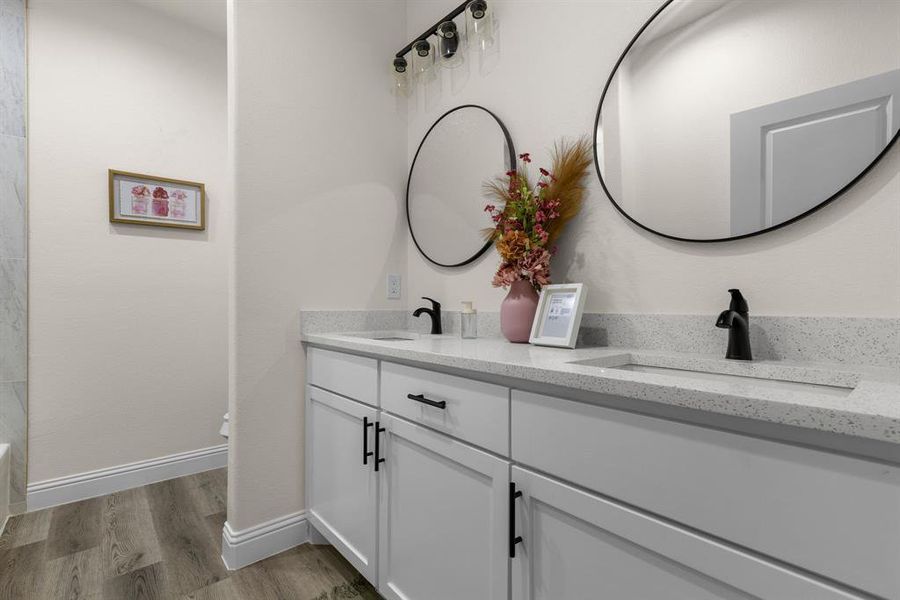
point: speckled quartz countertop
(857, 401)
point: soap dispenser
(468, 321)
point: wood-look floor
(158, 542)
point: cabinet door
(577, 546)
(342, 490)
(444, 517)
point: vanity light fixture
(450, 43)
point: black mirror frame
(609, 195)
(512, 162)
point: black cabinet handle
(378, 429)
(421, 398)
(366, 453)
(513, 538)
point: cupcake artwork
(146, 200)
(140, 197)
(160, 202)
(177, 203)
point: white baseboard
(82, 486)
(245, 547)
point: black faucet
(737, 321)
(434, 312)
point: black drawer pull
(378, 430)
(366, 453)
(513, 538)
(421, 398)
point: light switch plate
(393, 286)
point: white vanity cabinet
(472, 490)
(342, 485)
(443, 517)
(436, 505)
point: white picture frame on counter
(558, 315)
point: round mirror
(444, 199)
(728, 118)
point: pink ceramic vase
(517, 312)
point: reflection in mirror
(444, 198)
(726, 118)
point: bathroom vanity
(476, 469)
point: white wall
(553, 60)
(318, 152)
(128, 325)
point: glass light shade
(400, 72)
(480, 24)
(423, 58)
(450, 47)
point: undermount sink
(767, 376)
(388, 336)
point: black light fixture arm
(433, 29)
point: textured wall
(128, 323)
(319, 174)
(13, 260)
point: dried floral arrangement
(529, 219)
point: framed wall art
(158, 201)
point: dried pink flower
(523, 225)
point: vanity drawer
(830, 514)
(345, 374)
(473, 411)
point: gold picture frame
(171, 203)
